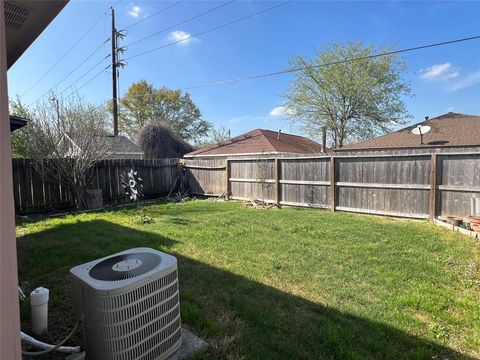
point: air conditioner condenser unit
(129, 305)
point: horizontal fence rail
(403, 185)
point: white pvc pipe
(42, 345)
(39, 305)
(21, 294)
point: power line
(85, 74)
(95, 108)
(281, 72)
(63, 56)
(77, 67)
(72, 84)
(181, 23)
(154, 14)
(211, 29)
(88, 82)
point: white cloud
(467, 81)
(450, 109)
(280, 111)
(134, 11)
(440, 72)
(182, 36)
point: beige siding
(9, 307)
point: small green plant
(142, 220)
(439, 331)
(277, 265)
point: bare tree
(263, 174)
(216, 136)
(67, 138)
(159, 141)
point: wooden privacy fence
(36, 193)
(413, 185)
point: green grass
(283, 284)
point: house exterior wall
(9, 307)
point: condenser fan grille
(126, 266)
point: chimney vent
(278, 135)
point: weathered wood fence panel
(252, 179)
(206, 177)
(395, 185)
(304, 182)
(36, 192)
(407, 185)
(458, 181)
(157, 176)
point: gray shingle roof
(451, 129)
(121, 144)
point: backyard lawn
(281, 284)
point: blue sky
(443, 79)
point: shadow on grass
(238, 316)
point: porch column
(9, 312)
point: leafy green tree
(353, 100)
(21, 136)
(144, 103)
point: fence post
(276, 169)
(227, 179)
(433, 188)
(332, 183)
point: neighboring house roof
(115, 145)
(17, 122)
(448, 130)
(261, 141)
(122, 145)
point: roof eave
(249, 154)
(17, 122)
(40, 15)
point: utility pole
(57, 108)
(114, 75)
